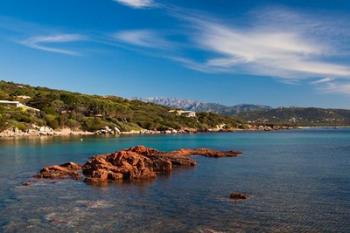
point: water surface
(299, 181)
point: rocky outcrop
(123, 165)
(135, 163)
(108, 131)
(66, 170)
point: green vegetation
(61, 109)
(264, 115)
(299, 116)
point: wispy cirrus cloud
(46, 43)
(41, 37)
(270, 49)
(335, 87)
(323, 80)
(137, 3)
(272, 42)
(143, 38)
(289, 47)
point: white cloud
(279, 43)
(274, 42)
(336, 87)
(143, 38)
(271, 51)
(137, 3)
(43, 42)
(322, 80)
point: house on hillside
(23, 97)
(183, 113)
(18, 104)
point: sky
(277, 53)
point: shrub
(52, 121)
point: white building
(8, 102)
(23, 97)
(183, 113)
(17, 104)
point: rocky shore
(42, 131)
(132, 164)
(47, 131)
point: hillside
(262, 114)
(64, 109)
(300, 116)
(197, 106)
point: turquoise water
(299, 181)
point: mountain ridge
(263, 114)
(199, 106)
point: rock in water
(124, 165)
(27, 183)
(135, 163)
(238, 196)
(206, 152)
(66, 170)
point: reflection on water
(299, 181)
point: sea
(296, 181)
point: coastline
(66, 132)
(325, 127)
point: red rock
(135, 163)
(146, 151)
(206, 152)
(162, 165)
(100, 174)
(66, 170)
(115, 176)
(95, 181)
(71, 166)
(127, 165)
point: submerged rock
(238, 196)
(132, 164)
(27, 183)
(206, 152)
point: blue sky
(278, 53)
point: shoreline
(8, 134)
(71, 133)
(326, 127)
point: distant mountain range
(197, 106)
(263, 114)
